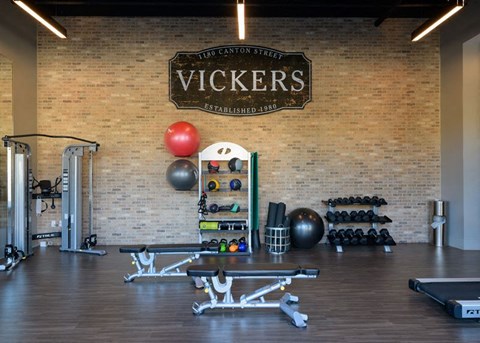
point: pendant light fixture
(241, 19)
(44, 19)
(433, 23)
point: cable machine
(72, 159)
(19, 194)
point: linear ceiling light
(241, 19)
(431, 24)
(45, 20)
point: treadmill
(459, 296)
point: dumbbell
(362, 239)
(363, 216)
(345, 216)
(353, 239)
(332, 238)
(356, 217)
(331, 202)
(388, 240)
(344, 239)
(338, 216)
(330, 216)
(374, 237)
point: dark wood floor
(361, 296)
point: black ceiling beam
(388, 13)
(254, 8)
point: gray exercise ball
(182, 175)
(306, 228)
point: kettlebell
(223, 245)
(233, 245)
(242, 245)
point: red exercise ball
(182, 139)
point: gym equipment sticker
(240, 80)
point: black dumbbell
(346, 217)
(387, 239)
(363, 216)
(344, 239)
(332, 238)
(353, 239)
(330, 216)
(331, 202)
(362, 239)
(374, 237)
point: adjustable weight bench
(282, 274)
(144, 258)
(459, 296)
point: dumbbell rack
(374, 205)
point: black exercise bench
(144, 258)
(282, 273)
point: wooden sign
(240, 80)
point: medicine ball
(213, 208)
(235, 164)
(213, 185)
(235, 184)
(182, 175)
(213, 167)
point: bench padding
(169, 248)
(309, 270)
(262, 269)
(133, 249)
(200, 270)
(172, 248)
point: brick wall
(371, 129)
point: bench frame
(255, 299)
(145, 262)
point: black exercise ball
(182, 175)
(306, 228)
